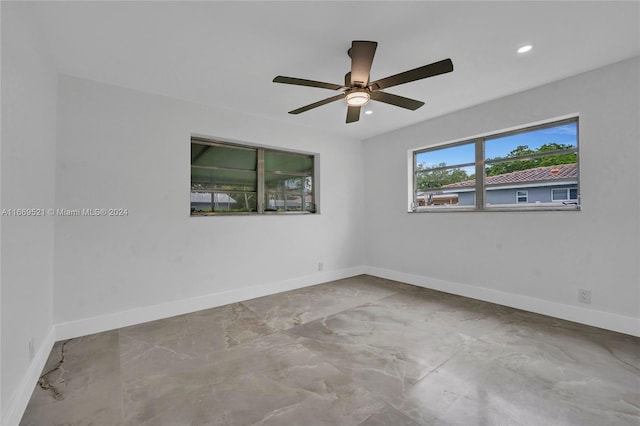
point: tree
(437, 178)
(532, 163)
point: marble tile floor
(359, 351)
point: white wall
(27, 177)
(537, 260)
(119, 148)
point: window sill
(252, 214)
(571, 208)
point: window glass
(287, 192)
(460, 154)
(288, 182)
(207, 179)
(525, 143)
(225, 157)
(559, 194)
(222, 202)
(564, 194)
(522, 196)
(573, 193)
(288, 162)
(440, 174)
(227, 178)
(531, 159)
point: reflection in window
(288, 181)
(229, 178)
(438, 172)
(529, 168)
(564, 194)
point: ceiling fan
(358, 90)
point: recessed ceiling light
(368, 112)
(525, 48)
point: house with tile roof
(541, 185)
(208, 201)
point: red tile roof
(563, 171)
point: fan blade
(361, 54)
(303, 82)
(437, 68)
(353, 114)
(317, 104)
(396, 100)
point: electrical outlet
(32, 349)
(584, 296)
(320, 266)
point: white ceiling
(227, 53)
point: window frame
(567, 193)
(518, 196)
(480, 188)
(260, 172)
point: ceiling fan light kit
(357, 97)
(358, 90)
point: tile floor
(358, 351)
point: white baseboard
(61, 331)
(606, 320)
(13, 414)
(16, 407)
(97, 324)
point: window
(538, 164)
(229, 178)
(437, 170)
(564, 194)
(522, 196)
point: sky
(501, 146)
